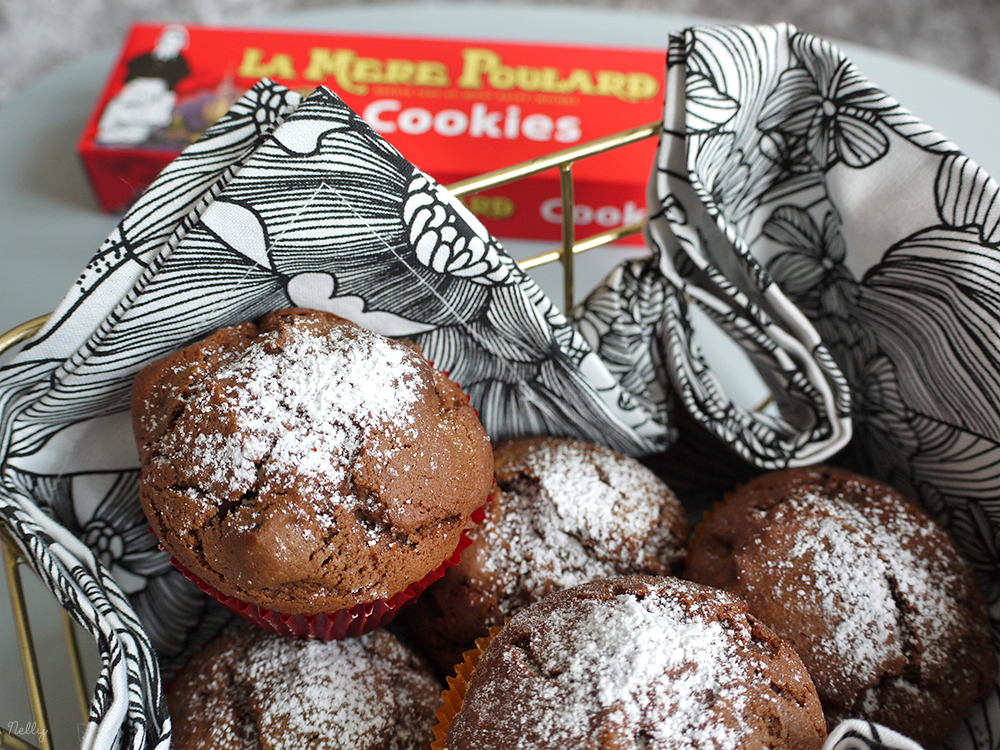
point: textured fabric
(854, 253)
(284, 202)
(774, 207)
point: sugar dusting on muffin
(306, 465)
(252, 689)
(620, 668)
(886, 590)
(873, 594)
(564, 512)
(637, 661)
(598, 515)
(303, 400)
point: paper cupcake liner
(344, 623)
(453, 697)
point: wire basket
(564, 254)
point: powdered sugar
(355, 693)
(648, 665)
(624, 654)
(301, 403)
(589, 520)
(225, 458)
(311, 683)
(853, 590)
(869, 580)
(588, 494)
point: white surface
(50, 226)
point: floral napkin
(769, 212)
(813, 217)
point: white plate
(50, 225)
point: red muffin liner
(332, 626)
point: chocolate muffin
(250, 689)
(563, 512)
(637, 662)
(871, 592)
(305, 464)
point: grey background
(39, 37)
(962, 36)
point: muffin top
(870, 591)
(569, 511)
(305, 464)
(637, 661)
(253, 689)
(563, 512)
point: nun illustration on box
(146, 101)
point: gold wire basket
(13, 561)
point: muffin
(634, 662)
(871, 592)
(563, 512)
(303, 464)
(250, 689)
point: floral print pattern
(762, 200)
(284, 201)
(828, 105)
(900, 289)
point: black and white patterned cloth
(774, 209)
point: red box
(454, 108)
